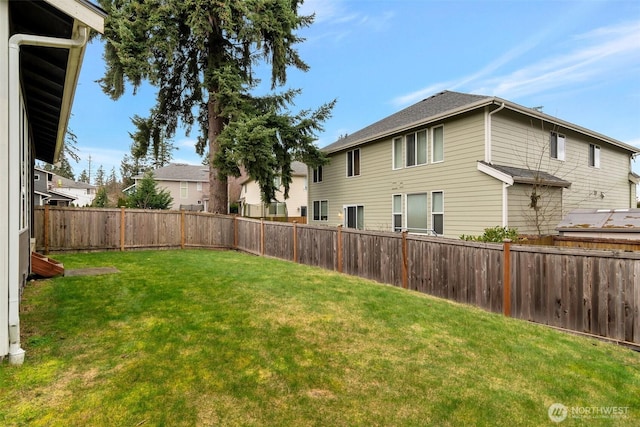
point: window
(437, 212)
(277, 181)
(320, 210)
(437, 154)
(354, 217)
(416, 144)
(397, 153)
(417, 213)
(594, 155)
(184, 189)
(556, 146)
(36, 177)
(317, 174)
(199, 186)
(397, 212)
(353, 162)
(303, 211)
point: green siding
(472, 200)
(525, 143)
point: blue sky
(579, 60)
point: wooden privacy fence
(587, 291)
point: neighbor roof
(62, 182)
(530, 176)
(180, 172)
(447, 104)
(616, 220)
(297, 169)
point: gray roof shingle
(180, 172)
(429, 107)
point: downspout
(488, 135)
(487, 158)
(16, 353)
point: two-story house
(42, 44)
(457, 163)
(187, 184)
(295, 207)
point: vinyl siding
(472, 200)
(525, 143)
(523, 217)
(193, 195)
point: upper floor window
(199, 186)
(277, 181)
(317, 174)
(556, 146)
(353, 162)
(184, 189)
(397, 153)
(437, 149)
(594, 155)
(416, 148)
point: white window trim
(433, 129)
(561, 146)
(432, 229)
(406, 209)
(344, 215)
(184, 187)
(596, 156)
(399, 139)
(353, 163)
(318, 174)
(394, 213)
(199, 186)
(313, 207)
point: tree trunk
(218, 189)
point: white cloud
(592, 58)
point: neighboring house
(52, 189)
(602, 223)
(457, 163)
(41, 48)
(41, 184)
(295, 206)
(187, 184)
(82, 192)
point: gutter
(488, 134)
(16, 353)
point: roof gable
(433, 106)
(180, 172)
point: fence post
(340, 257)
(182, 229)
(295, 241)
(235, 232)
(46, 229)
(262, 236)
(122, 227)
(405, 261)
(506, 281)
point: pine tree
(201, 56)
(147, 196)
(102, 199)
(100, 178)
(84, 177)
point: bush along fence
(587, 291)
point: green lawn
(222, 338)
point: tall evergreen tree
(100, 177)
(84, 177)
(201, 56)
(147, 195)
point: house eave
(489, 101)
